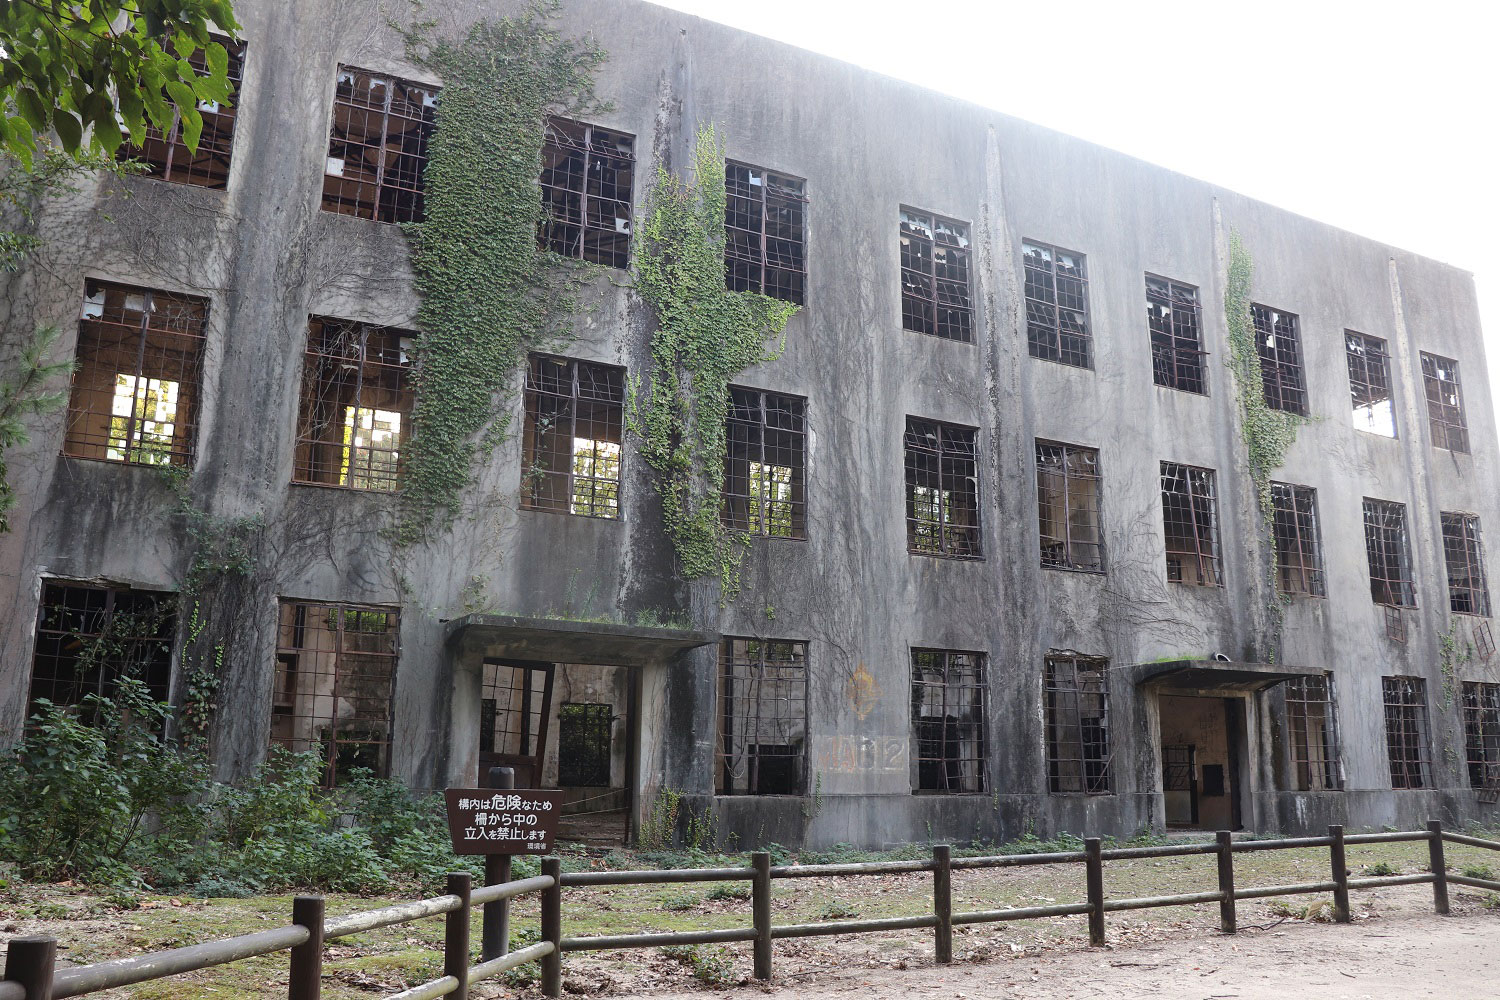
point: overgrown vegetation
(710, 966)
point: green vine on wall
(1450, 655)
(705, 335)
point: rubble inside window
(1294, 526)
(1481, 712)
(1312, 734)
(1057, 305)
(88, 637)
(766, 233)
(1178, 360)
(167, 156)
(935, 276)
(942, 489)
(1370, 383)
(765, 464)
(377, 146)
(762, 739)
(1406, 730)
(1278, 343)
(1067, 489)
(1077, 699)
(1389, 554)
(575, 411)
(587, 176)
(135, 387)
(1445, 403)
(949, 734)
(1463, 552)
(1190, 521)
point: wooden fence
(31, 973)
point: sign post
(495, 938)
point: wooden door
(515, 707)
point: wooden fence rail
(31, 972)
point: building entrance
(1200, 754)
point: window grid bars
(1178, 360)
(935, 276)
(1445, 403)
(1057, 305)
(1481, 714)
(1276, 342)
(1068, 507)
(762, 738)
(1077, 698)
(88, 637)
(942, 489)
(169, 158)
(587, 176)
(1190, 522)
(1463, 552)
(377, 146)
(1313, 732)
(1389, 554)
(1294, 522)
(949, 727)
(765, 227)
(1370, 383)
(1406, 730)
(575, 412)
(765, 468)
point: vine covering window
(1445, 403)
(1278, 343)
(949, 731)
(1406, 730)
(1312, 734)
(1481, 712)
(765, 222)
(88, 637)
(377, 146)
(587, 174)
(762, 738)
(1389, 554)
(942, 489)
(935, 276)
(167, 156)
(1294, 526)
(1463, 553)
(1178, 360)
(1190, 520)
(1067, 492)
(1370, 383)
(765, 465)
(575, 411)
(1077, 697)
(1057, 305)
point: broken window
(135, 384)
(1057, 305)
(1406, 730)
(765, 464)
(935, 276)
(1370, 383)
(335, 677)
(1468, 591)
(1178, 360)
(88, 637)
(1389, 554)
(167, 156)
(377, 147)
(942, 489)
(1445, 403)
(587, 173)
(356, 406)
(1294, 524)
(574, 414)
(584, 743)
(762, 745)
(1077, 693)
(1280, 349)
(1481, 711)
(1067, 493)
(1312, 734)
(948, 720)
(764, 219)
(1190, 519)
(514, 700)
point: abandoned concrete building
(1006, 562)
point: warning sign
(509, 821)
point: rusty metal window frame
(1069, 492)
(390, 152)
(1484, 641)
(761, 745)
(355, 376)
(935, 270)
(942, 489)
(1445, 403)
(585, 744)
(1190, 510)
(765, 464)
(1312, 735)
(1388, 549)
(1058, 327)
(1174, 317)
(1406, 732)
(335, 683)
(584, 478)
(588, 175)
(89, 636)
(1299, 545)
(1481, 714)
(765, 249)
(950, 749)
(1076, 690)
(1279, 344)
(513, 699)
(1463, 552)
(139, 350)
(1369, 364)
(169, 158)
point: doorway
(1200, 740)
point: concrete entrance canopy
(552, 640)
(1216, 675)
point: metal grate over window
(1370, 383)
(514, 699)
(949, 732)
(1067, 493)
(1178, 360)
(1190, 521)
(1406, 730)
(1278, 344)
(1463, 552)
(574, 415)
(1057, 305)
(167, 156)
(335, 678)
(935, 276)
(1445, 403)
(762, 739)
(1294, 524)
(587, 174)
(1313, 734)
(942, 489)
(135, 385)
(88, 637)
(1481, 712)
(765, 467)
(584, 742)
(357, 401)
(377, 146)
(1077, 696)
(1389, 554)
(766, 248)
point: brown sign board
(503, 821)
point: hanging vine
(705, 335)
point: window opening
(1294, 524)
(1481, 712)
(1067, 490)
(1312, 729)
(587, 173)
(574, 415)
(1406, 730)
(762, 745)
(584, 743)
(935, 276)
(377, 146)
(1468, 590)
(1178, 360)
(1077, 692)
(1190, 520)
(1277, 342)
(1445, 403)
(1370, 383)
(1389, 554)
(167, 155)
(1057, 305)
(765, 491)
(766, 236)
(948, 720)
(942, 489)
(88, 637)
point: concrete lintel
(553, 640)
(1216, 675)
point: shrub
(710, 966)
(681, 902)
(836, 909)
(1478, 871)
(729, 890)
(214, 887)
(1381, 868)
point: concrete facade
(267, 258)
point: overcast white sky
(1378, 117)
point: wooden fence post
(552, 928)
(1094, 868)
(942, 903)
(760, 912)
(1439, 867)
(494, 936)
(1340, 868)
(30, 961)
(456, 934)
(305, 980)
(1226, 881)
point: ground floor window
(88, 637)
(949, 735)
(1406, 730)
(1077, 696)
(1311, 733)
(1481, 709)
(762, 744)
